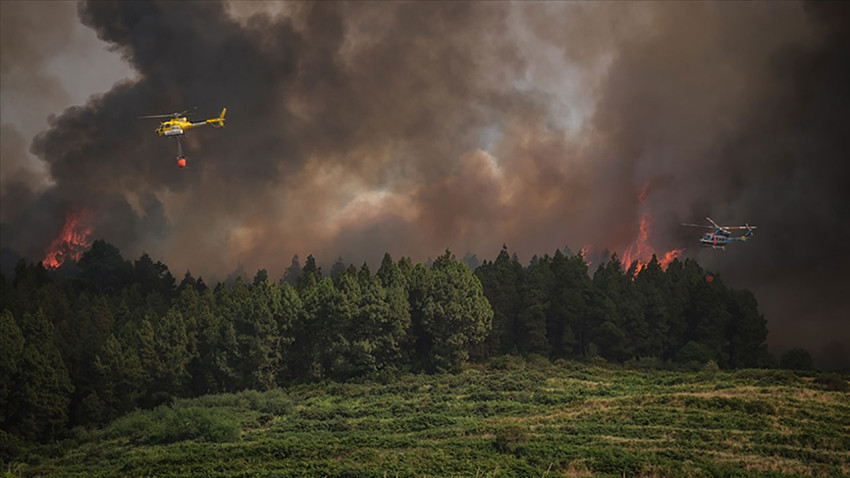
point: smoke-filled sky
(355, 129)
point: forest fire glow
(74, 239)
(639, 250)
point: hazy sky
(355, 129)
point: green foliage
(796, 359)
(833, 382)
(11, 346)
(709, 370)
(91, 343)
(694, 353)
(509, 438)
(450, 311)
(529, 418)
(39, 388)
(502, 281)
(168, 425)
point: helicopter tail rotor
(217, 122)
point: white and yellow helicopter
(179, 124)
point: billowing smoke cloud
(358, 129)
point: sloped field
(511, 419)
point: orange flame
(73, 241)
(584, 251)
(640, 250)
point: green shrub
(644, 363)
(832, 382)
(505, 362)
(796, 359)
(694, 352)
(510, 437)
(779, 378)
(709, 370)
(167, 425)
(276, 402)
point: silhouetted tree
(103, 270)
(501, 281)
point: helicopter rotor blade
(157, 116)
(717, 226)
(698, 225)
(713, 223)
(739, 227)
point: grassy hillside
(511, 418)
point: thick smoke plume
(355, 129)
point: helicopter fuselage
(176, 127)
(718, 239)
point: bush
(694, 352)
(796, 359)
(510, 437)
(644, 363)
(832, 382)
(709, 370)
(167, 425)
(506, 362)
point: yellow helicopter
(179, 124)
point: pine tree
(653, 290)
(290, 314)
(311, 275)
(154, 278)
(535, 304)
(103, 270)
(501, 281)
(187, 282)
(260, 336)
(706, 313)
(677, 325)
(11, 346)
(396, 333)
(41, 390)
(293, 272)
(171, 346)
(140, 343)
(568, 324)
(337, 268)
(261, 276)
(746, 331)
(452, 313)
(350, 343)
(317, 336)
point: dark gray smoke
(357, 129)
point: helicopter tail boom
(217, 122)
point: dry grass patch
(577, 468)
(762, 463)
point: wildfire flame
(584, 251)
(73, 241)
(640, 250)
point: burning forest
(359, 129)
(75, 238)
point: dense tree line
(555, 307)
(95, 339)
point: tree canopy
(84, 344)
